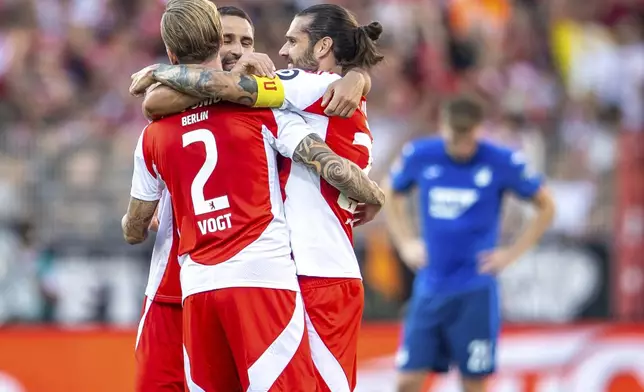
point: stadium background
(562, 79)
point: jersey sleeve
(403, 171)
(289, 131)
(520, 179)
(292, 89)
(145, 181)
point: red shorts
(333, 317)
(159, 348)
(247, 339)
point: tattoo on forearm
(203, 82)
(341, 173)
(139, 216)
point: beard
(307, 61)
(229, 61)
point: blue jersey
(460, 207)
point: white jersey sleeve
(289, 131)
(293, 89)
(146, 184)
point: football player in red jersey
(320, 38)
(232, 246)
(159, 343)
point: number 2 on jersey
(359, 139)
(199, 202)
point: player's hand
(154, 223)
(142, 80)
(365, 213)
(414, 254)
(258, 64)
(343, 96)
(495, 261)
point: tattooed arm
(341, 173)
(164, 101)
(136, 221)
(203, 82)
(146, 189)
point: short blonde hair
(191, 30)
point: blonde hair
(191, 30)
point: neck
(463, 159)
(214, 62)
(328, 64)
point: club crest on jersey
(518, 158)
(432, 172)
(483, 177)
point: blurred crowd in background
(560, 79)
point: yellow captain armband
(270, 92)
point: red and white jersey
(163, 281)
(219, 164)
(320, 219)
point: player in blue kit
(453, 316)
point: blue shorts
(452, 329)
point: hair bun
(373, 30)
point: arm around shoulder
(164, 101)
(364, 75)
(343, 97)
(203, 82)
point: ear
(171, 56)
(324, 47)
